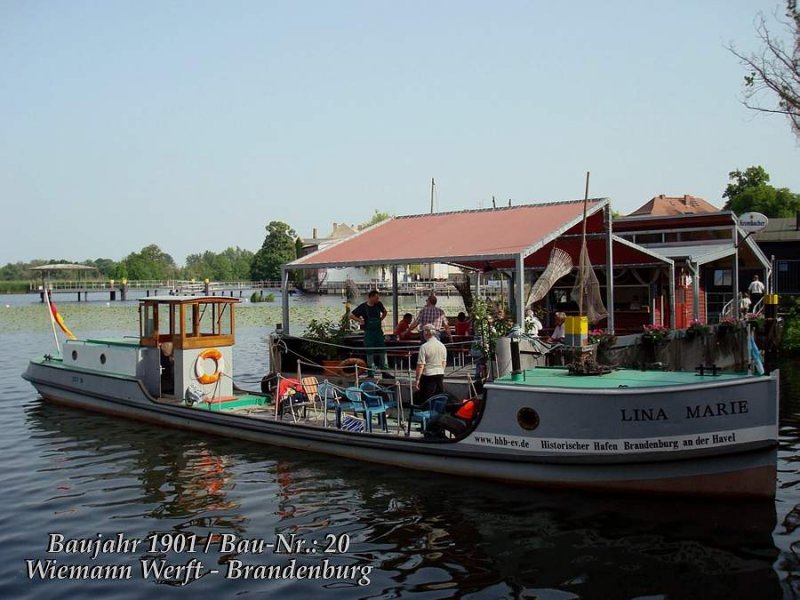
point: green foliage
(261, 297)
(12, 272)
(232, 264)
(750, 191)
(330, 333)
(790, 341)
(150, 263)
(13, 287)
(489, 322)
(377, 217)
(277, 250)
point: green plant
(323, 337)
(697, 328)
(490, 323)
(601, 338)
(655, 333)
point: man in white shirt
(756, 289)
(430, 365)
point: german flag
(60, 321)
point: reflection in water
(426, 534)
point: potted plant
(654, 333)
(696, 328)
(727, 325)
(323, 339)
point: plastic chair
(430, 410)
(373, 388)
(368, 404)
(331, 399)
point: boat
(707, 433)
(703, 432)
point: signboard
(752, 222)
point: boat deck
(621, 378)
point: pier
(113, 290)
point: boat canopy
(511, 238)
(187, 321)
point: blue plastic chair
(430, 410)
(368, 404)
(332, 400)
(373, 388)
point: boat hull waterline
(716, 437)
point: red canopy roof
(464, 237)
(480, 239)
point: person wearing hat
(430, 365)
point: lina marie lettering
(697, 411)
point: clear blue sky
(192, 124)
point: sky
(193, 124)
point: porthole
(528, 418)
(102, 359)
(74, 355)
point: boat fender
(219, 366)
(352, 362)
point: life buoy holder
(219, 366)
(352, 362)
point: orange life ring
(352, 362)
(219, 366)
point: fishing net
(586, 291)
(560, 264)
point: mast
(584, 250)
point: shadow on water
(425, 535)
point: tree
(750, 191)
(377, 217)
(775, 69)
(150, 263)
(277, 250)
(232, 264)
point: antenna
(433, 196)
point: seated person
(558, 334)
(462, 324)
(532, 323)
(403, 331)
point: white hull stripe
(696, 441)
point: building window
(722, 277)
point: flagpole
(52, 318)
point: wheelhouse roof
(188, 300)
(480, 239)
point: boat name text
(695, 411)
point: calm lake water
(392, 533)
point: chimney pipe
(314, 233)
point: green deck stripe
(560, 378)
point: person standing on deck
(370, 315)
(430, 365)
(431, 315)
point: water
(409, 534)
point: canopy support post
(285, 298)
(672, 306)
(519, 293)
(609, 269)
(395, 299)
